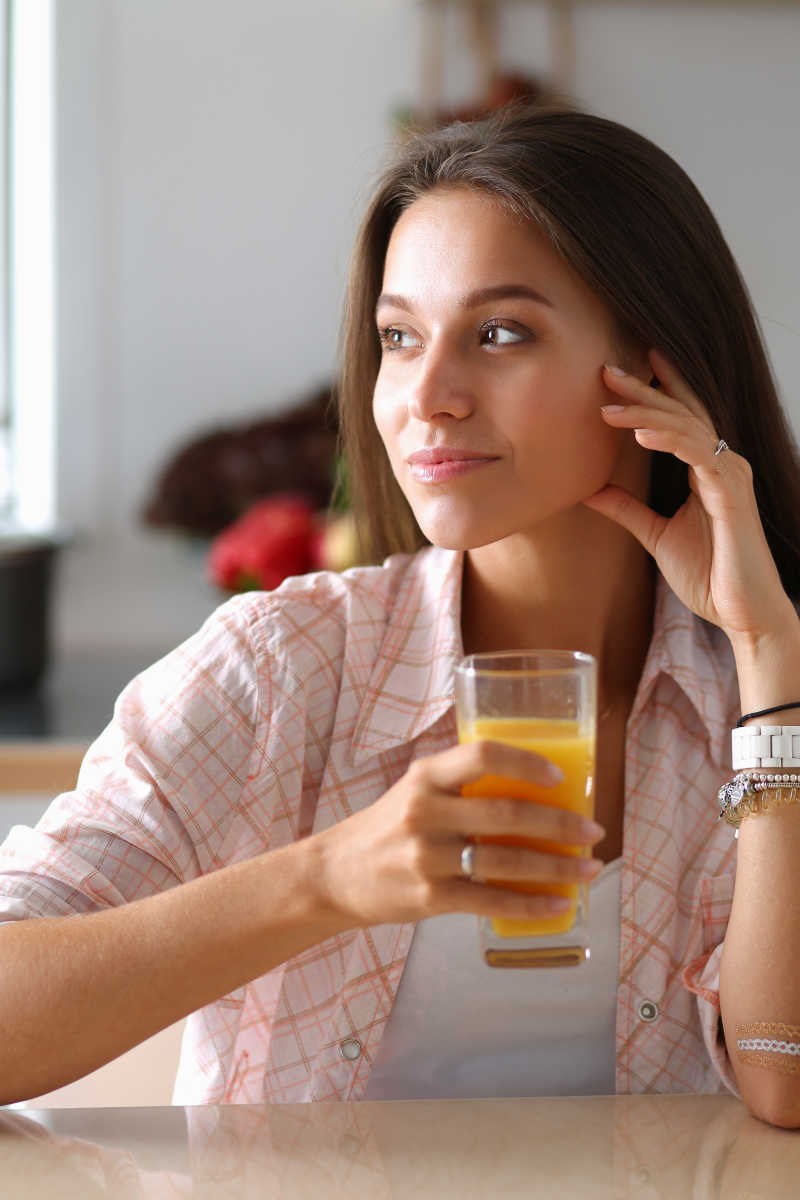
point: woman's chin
(459, 538)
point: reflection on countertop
(601, 1146)
(74, 700)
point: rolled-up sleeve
(702, 975)
(157, 789)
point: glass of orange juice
(545, 701)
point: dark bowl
(27, 566)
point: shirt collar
(697, 656)
(412, 682)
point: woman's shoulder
(309, 627)
(325, 605)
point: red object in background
(273, 539)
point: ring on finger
(468, 861)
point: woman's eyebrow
(501, 291)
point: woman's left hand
(712, 552)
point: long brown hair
(629, 220)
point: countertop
(680, 1147)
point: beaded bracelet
(745, 794)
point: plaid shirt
(290, 710)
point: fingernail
(555, 773)
(589, 867)
(559, 904)
(613, 407)
(592, 829)
(615, 370)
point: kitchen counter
(614, 1147)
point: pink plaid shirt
(288, 711)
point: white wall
(212, 160)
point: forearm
(759, 977)
(77, 992)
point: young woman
(263, 831)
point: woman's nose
(440, 387)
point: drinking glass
(545, 701)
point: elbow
(780, 1108)
(770, 1095)
(12, 1088)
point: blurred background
(181, 183)
(208, 163)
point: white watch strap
(756, 746)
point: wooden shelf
(43, 767)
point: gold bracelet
(761, 801)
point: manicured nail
(613, 407)
(555, 773)
(615, 370)
(589, 867)
(592, 829)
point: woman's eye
(396, 339)
(501, 335)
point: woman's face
(493, 347)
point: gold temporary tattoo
(770, 1044)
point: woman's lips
(428, 467)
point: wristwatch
(756, 746)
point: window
(27, 410)
(6, 500)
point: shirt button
(350, 1048)
(648, 1010)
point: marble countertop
(614, 1147)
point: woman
(276, 807)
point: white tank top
(460, 1029)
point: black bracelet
(764, 711)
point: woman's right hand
(400, 858)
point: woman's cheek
(388, 421)
(381, 415)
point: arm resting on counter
(77, 992)
(760, 971)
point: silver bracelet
(769, 1044)
(737, 797)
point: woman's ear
(633, 356)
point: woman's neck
(575, 582)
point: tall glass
(545, 701)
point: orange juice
(562, 743)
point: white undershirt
(460, 1029)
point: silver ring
(467, 863)
(721, 445)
